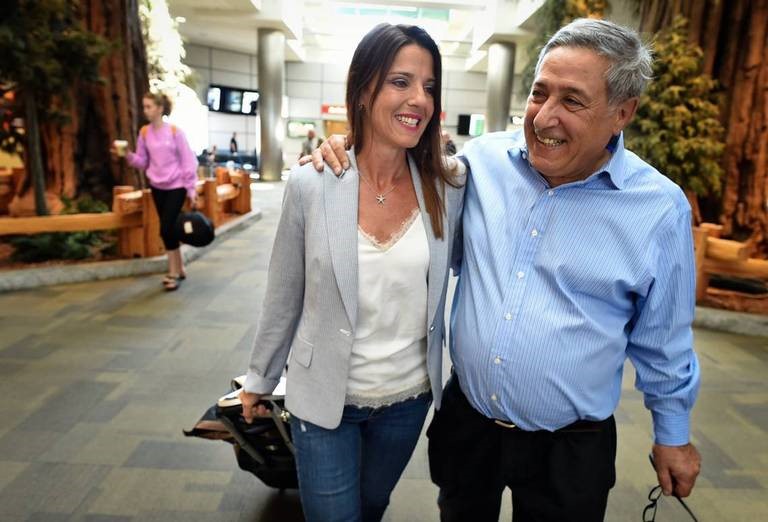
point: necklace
(382, 196)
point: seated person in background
(311, 143)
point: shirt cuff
(671, 429)
(255, 383)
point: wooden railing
(228, 193)
(134, 216)
(727, 258)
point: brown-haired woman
(357, 282)
(171, 166)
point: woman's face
(405, 104)
(152, 111)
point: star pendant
(380, 198)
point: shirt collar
(615, 167)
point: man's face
(568, 120)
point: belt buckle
(503, 424)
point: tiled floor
(98, 380)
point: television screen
(250, 102)
(214, 99)
(471, 125)
(463, 126)
(232, 100)
(476, 124)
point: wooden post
(242, 203)
(211, 201)
(123, 234)
(225, 205)
(713, 229)
(153, 244)
(7, 190)
(700, 236)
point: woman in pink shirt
(171, 167)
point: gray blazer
(310, 307)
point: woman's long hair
(372, 60)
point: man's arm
(333, 151)
(661, 349)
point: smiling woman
(357, 286)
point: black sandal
(171, 283)
(172, 278)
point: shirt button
(508, 316)
(493, 397)
(497, 360)
(550, 193)
(520, 275)
(534, 233)
(432, 328)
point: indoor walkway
(98, 380)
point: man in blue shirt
(576, 255)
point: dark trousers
(554, 476)
(168, 204)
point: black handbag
(194, 228)
(265, 447)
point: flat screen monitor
(232, 100)
(471, 124)
(250, 102)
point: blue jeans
(347, 474)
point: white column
(501, 70)
(271, 67)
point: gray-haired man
(576, 255)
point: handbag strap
(279, 415)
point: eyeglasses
(649, 513)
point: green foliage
(60, 245)
(552, 16)
(85, 204)
(66, 245)
(677, 127)
(45, 52)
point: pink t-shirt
(167, 159)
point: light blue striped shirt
(560, 285)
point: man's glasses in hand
(649, 513)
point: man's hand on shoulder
(677, 468)
(332, 151)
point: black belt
(579, 425)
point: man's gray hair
(631, 61)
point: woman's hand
(192, 201)
(251, 406)
(118, 149)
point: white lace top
(389, 354)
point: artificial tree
(677, 127)
(46, 54)
(733, 37)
